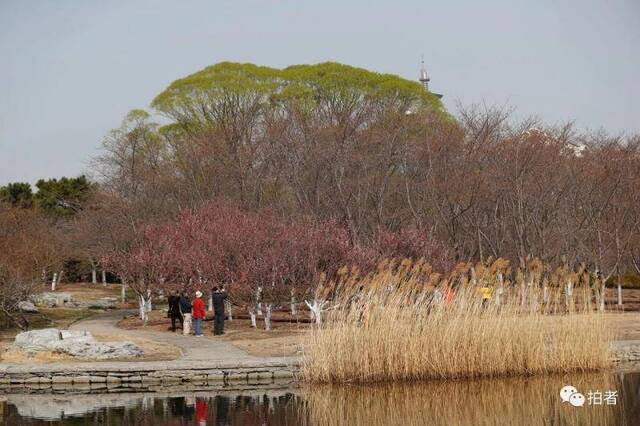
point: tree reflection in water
(517, 401)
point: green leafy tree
(17, 194)
(62, 197)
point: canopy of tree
(232, 95)
(63, 196)
(17, 194)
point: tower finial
(424, 78)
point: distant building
(424, 79)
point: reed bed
(405, 322)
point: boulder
(37, 339)
(86, 348)
(51, 299)
(27, 307)
(76, 343)
(102, 303)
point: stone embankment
(626, 350)
(146, 376)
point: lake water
(518, 401)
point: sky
(71, 70)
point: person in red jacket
(198, 314)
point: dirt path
(192, 348)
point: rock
(102, 303)
(37, 339)
(97, 350)
(78, 343)
(27, 307)
(51, 299)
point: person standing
(174, 310)
(485, 293)
(198, 314)
(219, 297)
(185, 309)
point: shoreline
(125, 376)
(189, 375)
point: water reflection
(531, 401)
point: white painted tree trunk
(210, 307)
(315, 310)
(149, 307)
(59, 278)
(259, 300)
(500, 289)
(229, 310)
(94, 275)
(54, 281)
(619, 293)
(267, 317)
(104, 277)
(293, 304)
(603, 288)
(545, 295)
(252, 314)
(123, 292)
(569, 294)
(144, 314)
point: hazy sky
(70, 70)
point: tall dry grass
(399, 323)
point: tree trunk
(315, 309)
(104, 277)
(54, 281)
(229, 310)
(252, 314)
(545, 294)
(500, 289)
(149, 306)
(94, 275)
(267, 318)
(603, 288)
(293, 304)
(569, 296)
(123, 292)
(142, 303)
(210, 304)
(619, 279)
(259, 300)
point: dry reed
(402, 323)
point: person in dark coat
(174, 310)
(219, 297)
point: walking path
(193, 348)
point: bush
(629, 279)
